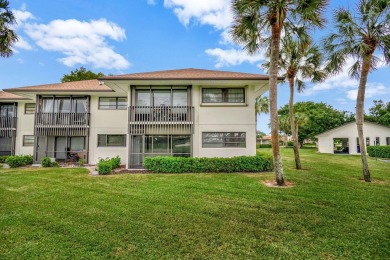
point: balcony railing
(7, 125)
(161, 120)
(60, 124)
(61, 119)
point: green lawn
(330, 213)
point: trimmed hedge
(166, 164)
(379, 151)
(263, 146)
(19, 160)
(106, 166)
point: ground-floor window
(223, 139)
(158, 145)
(28, 140)
(377, 141)
(111, 140)
(387, 140)
(5, 146)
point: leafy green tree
(260, 134)
(320, 117)
(7, 36)
(80, 74)
(360, 35)
(253, 21)
(298, 61)
(379, 113)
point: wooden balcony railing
(7, 126)
(60, 124)
(161, 120)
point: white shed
(344, 139)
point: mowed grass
(329, 213)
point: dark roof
(189, 74)
(76, 86)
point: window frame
(224, 143)
(25, 108)
(24, 141)
(106, 144)
(116, 104)
(224, 94)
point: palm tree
(7, 35)
(284, 125)
(359, 36)
(298, 58)
(262, 105)
(253, 20)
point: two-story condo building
(188, 112)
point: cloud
(80, 42)
(372, 90)
(151, 2)
(216, 13)
(22, 16)
(232, 57)
(342, 81)
(22, 44)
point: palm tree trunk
(273, 97)
(360, 115)
(292, 124)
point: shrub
(290, 143)
(379, 151)
(19, 160)
(81, 162)
(115, 162)
(162, 164)
(1, 166)
(263, 146)
(55, 164)
(46, 162)
(104, 167)
(3, 158)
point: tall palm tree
(359, 36)
(298, 61)
(7, 36)
(253, 21)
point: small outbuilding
(344, 139)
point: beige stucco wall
(106, 122)
(325, 141)
(224, 118)
(25, 126)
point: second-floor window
(161, 98)
(7, 110)
(223, 95)
(64, 105)
(112, 103)
(29, 108)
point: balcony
(62, 124)
(161, 120)
(7, 126)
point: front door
(60, 151)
